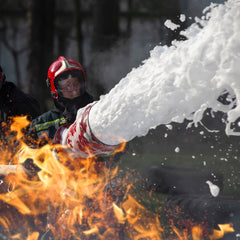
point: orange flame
(18, 125)
(224, 228)
(196, 233)
(69, 197)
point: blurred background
(109, 38)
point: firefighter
(67, 82)
(14, 102)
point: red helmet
(61, 65)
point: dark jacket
(14, 102)
(48, 123)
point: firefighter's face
(70, 88)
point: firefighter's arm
(80, 138)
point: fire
(68, 196)
(18, 125)
(65, 197)
(195, 233)
(224, 228)
(200, 232)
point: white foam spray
(177, 82)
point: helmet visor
(69, 85)
(70, 81)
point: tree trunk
(129, 16)
(41, 28)
(105, 34)
(105, 23)
(78, 29)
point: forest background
(109, 38)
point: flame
(224, 228)
(19, 123)
(139, 228)
(72, 198)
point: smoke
(112, 64)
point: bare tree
(78, 28)
(129, 16)
(41, 32)
(11, 44)
(105, 33)
(105, 23)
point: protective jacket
(14, 102)
(47, 124)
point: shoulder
(15, 93)
(15, 102)
(50, 115)
(47, 123)
(6, 91)
(89, 97)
